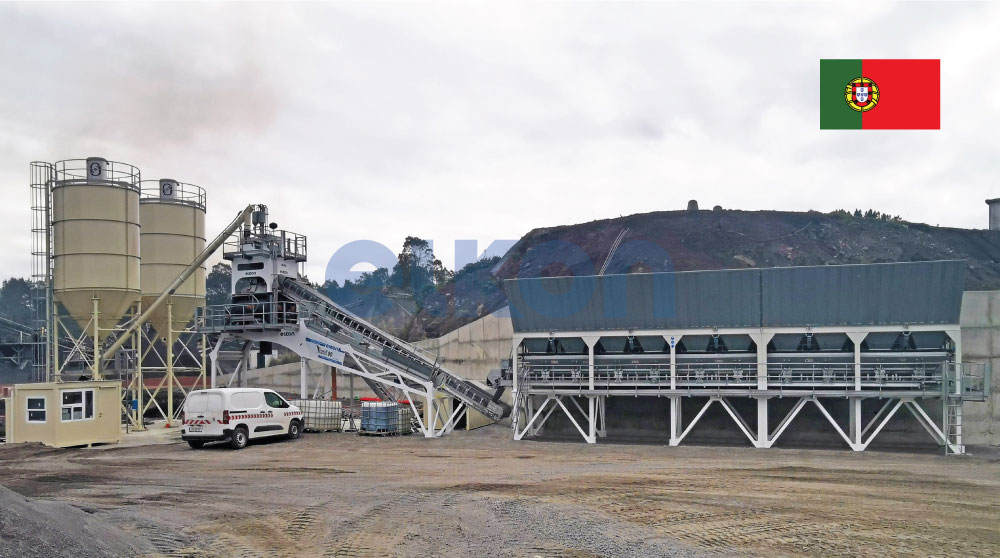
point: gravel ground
(42, 529)
(480, 494)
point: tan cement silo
(173, 235)
(95, 235)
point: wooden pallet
(378, 432)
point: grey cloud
(484, 120)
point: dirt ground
(480, 494)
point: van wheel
(195, 444)
(239, 438)
(294, 430)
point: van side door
(247, 407)
(278, 408)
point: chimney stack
(994, 213)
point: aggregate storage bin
(320, 415)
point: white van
(238, 415)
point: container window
(248, 266)
(36, 409)
(77, 405)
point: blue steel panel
(870, 294)
(728, 298)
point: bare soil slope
(724, 239)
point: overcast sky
(482, 121)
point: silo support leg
(96, 366)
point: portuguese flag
(880, 94)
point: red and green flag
(880, 94)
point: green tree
(15, 300)
(219, 284)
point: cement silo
(95, 243)
(173, 235)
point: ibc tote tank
(173, 235)
(95, 235)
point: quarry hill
(715, 239)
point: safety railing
(253, 316)
(968, 380)
(899, 376)
(717, 374)
(283, 244)
(73, 171)
(706, 375)
(172, 192)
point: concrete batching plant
(105, 245)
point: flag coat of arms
(880, 94)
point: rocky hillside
(719, 239)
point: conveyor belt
(399, 352)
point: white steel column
(857, 337)
(855, 422)
(672, 341)
(303, 381)
(761, 339)
(675, 420)
(591, 436)
(592, 411)
(515, 391)
(590, 341)
(602, 428)
(762, 427)
(214, 355)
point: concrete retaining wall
(285, 379)
(474, 349)
(981, 343)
